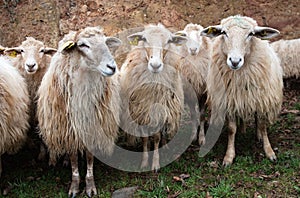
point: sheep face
(93, 48)
(237, 34)
(156, 40)
(32, 53)
(193, 34)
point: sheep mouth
(107, 72)
(30, 71)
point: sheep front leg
(262, 130)
(89, 179)
(0, 166)
(193, 113)
(74, 189)
(155, 161)
(201, 139)
(145, 156)
(230, 153)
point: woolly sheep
(288, 52)
(196, 55)
(32, 59)
(245, 78)
(78, 105)
(14, 109)
(151, 90)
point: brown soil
(49, 20)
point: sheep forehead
(192, 27)
(90, 32)
(238, 21)
(157, 34)
(31, 43)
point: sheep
(78, 104)
(288, 52)
(196, 55)
(14, 115)
(151, 90)
(32, 59)
(244, 78)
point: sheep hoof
(74, 189)
(90, 186)
(201, 140)
(227, 161)
(155, 167)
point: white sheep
(245, 78)
(288, 52)
(151, 89)
(78, 105)
(196, 57)
(14, 116)
(32, 59)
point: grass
(251, 175)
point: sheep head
(31, 53)
(193, 34)
(237, 34)
(156, 40)
(93, 47)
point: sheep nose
(30, 66)
(235, 62)
(112, 67)
(193, 51)
(155, 66)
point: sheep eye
(83, 45)
(22, 51)
(42, 50)
(250, 34)
(224, 33)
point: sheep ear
(49, 50)
(135, 38)
(180, 33)
(2, 50)
(265, 32)
(68, 45)
(12, 52)
(113, 42)
(178, 40)
(212, 31)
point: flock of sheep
(76, 98)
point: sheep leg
(145, 156)
(194, 119)
(89, 178)
(262, 129)
(258, 132)
(242, 127)
(155, 161)
(52, 159)
(230, 153)
(66, 160)
(74, 189)
(0, 166)
(201, 139)
(43, 152)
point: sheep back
(288, 52)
